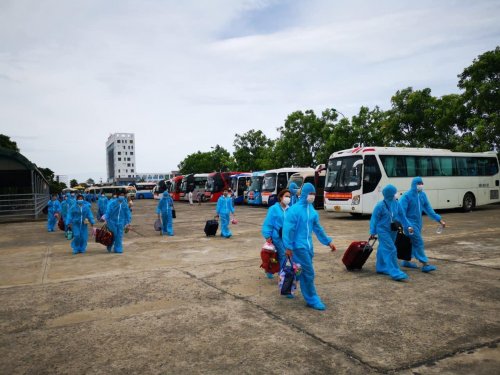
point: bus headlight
(356, 199)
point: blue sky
(187, 75)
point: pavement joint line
(349, 354)
(433, 360)
(45, 267)
(466, 263)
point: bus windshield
(269, 183)
(256, 183)
(344, 174)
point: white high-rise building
(120, 155)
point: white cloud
(184, 76)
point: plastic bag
(288, 280)
(157, 225)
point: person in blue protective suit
(65, 206)
(54, 210)
(224, 209)
(117, 218)
(413, 202)
(78, 213)
(301, 220)
(294, 190)
(272, 227)
(164, 211)
(386, 212)
(102, 205)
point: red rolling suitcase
(357, 253)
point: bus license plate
(336, 208)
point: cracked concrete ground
(191, 304)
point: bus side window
(472, 166)
(372, 174)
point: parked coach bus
(254, 192)
(144, 190)
(355, 178)
(160, 188)
(315, 177)
(239, 185)
(276, 180)
(216, 183)
(196, 183)
(175, 188)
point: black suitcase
(211, 227)
(403, 246)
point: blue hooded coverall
(271, 227)
(164, 208)
(413, 203)
(77, 215)
(301, 220)
(54, 207)
(117, 217)
(65, 206)
(102, 204)
(294, 189)
(224, 209)
(384, 213)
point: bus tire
(469, 202)
(140, 196)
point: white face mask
(286, 200)
(310, 198)
(420, 187)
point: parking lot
(191, 304)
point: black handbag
(403, 246)
(173, 214)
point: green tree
(197, 162)
(222, 159)
(219, 159)
(5, 142)
(418, 119)
(252, 151)
(73, 183)
(90, 182)
(364, 128)
(302, 138)
(481, 84)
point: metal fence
(15, 207)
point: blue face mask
(121, 199)
(80, 201)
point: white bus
(355, 177)
(110, 190)
(276, 180)
(314, 176)
(144, 190)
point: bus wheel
(469, 202)
(140, 196)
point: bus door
(372, 192)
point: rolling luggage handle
(373, 244)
